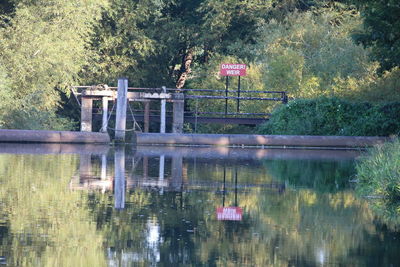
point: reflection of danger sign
(229, 214)
(232, 69)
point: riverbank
(245, 140)
(36, 136)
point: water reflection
(172, 174)
(154, 206)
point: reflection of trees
(47, 225)
(317, 174)
(301, 226)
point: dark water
(94, 206)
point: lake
(69, 205)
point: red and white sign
(227, 69)
(229, 214)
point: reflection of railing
(126, 172)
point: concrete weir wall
(35, 136)
(258, 140)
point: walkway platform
(233, 140)
(36, 136)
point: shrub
(378, 173)
(378, 176)
(333, 116)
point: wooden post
(163, 111)
(146, 116)
(86, 114)
(178, 113)
(120, 123)
(119, 182)
(104, 124)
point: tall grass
(379, 180)
(379, 172)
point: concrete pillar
(163, 112)
(86, 114)
(120, 123)
(178, 113)
(104, 124)
(146, 116)
(119, 179)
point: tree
(307, 52)
(381, 30)
(159, 42)
(43, 49)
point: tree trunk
(185, 69)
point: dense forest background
(347, 49)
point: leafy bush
(35, 119)
(333, 116)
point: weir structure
(123, 95)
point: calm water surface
(153, 206)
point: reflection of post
(236, 202)
(145, 167)
(119, 180)
(177, 173)
(224, 189)
(103, 174)
(161, 172)
(162, 167)
(85, 166)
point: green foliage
(381, 30)
(303, 47)
(36, 119)
(306, 52)
(6, 96)
(121, 41)
(43, 49)
(333, 116)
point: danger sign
(229, 214)
(227, 69)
